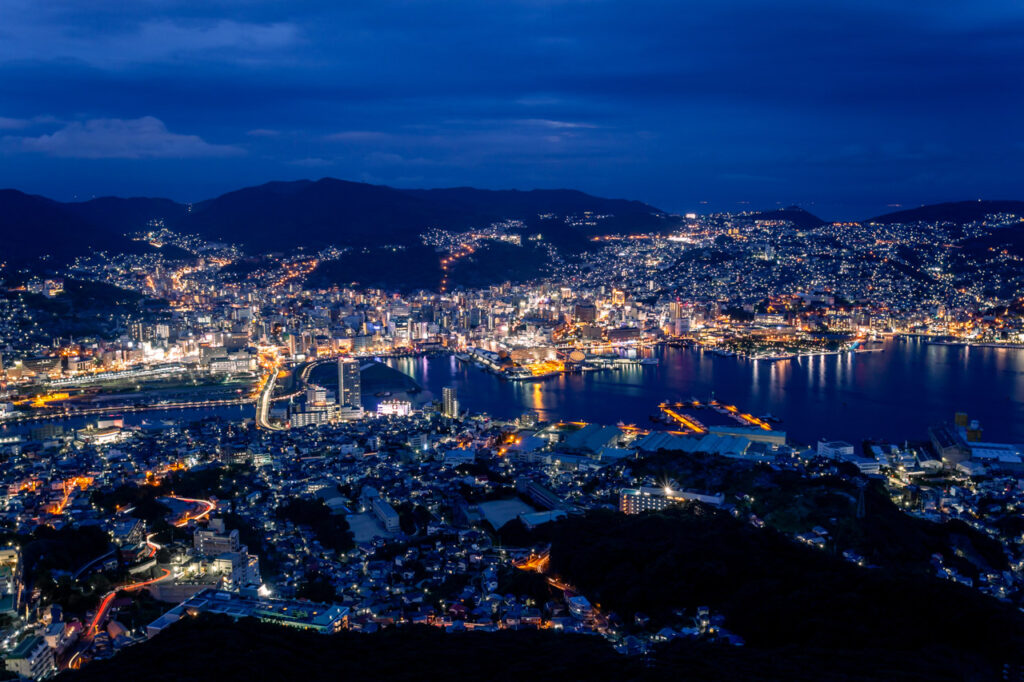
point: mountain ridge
(951, 211)
(283, 215)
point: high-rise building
(139, 332)
(586, 312)
(348, 383)
(450, 402)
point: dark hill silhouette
(34, 226)
(527, 204)
(127, 215)
(953, 212)
(1009, 239)
(280, 216)
(796, 215)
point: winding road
(103, 610)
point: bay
(892, 394)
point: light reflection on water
(232, 413)
(895, 394)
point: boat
(649, 361)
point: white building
(394, 408)
(31, 659)
(386, 514)
(835, 449)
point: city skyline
(297, 381)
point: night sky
(843, 106)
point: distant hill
(1009, 239)
(33, 226)
(127, 215)
(796, 215)
(953, 212)
(280, 216)
(527, 204)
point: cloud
(358, 136)
(115, 138)
(13, 123)
(159, 39)
(656, 100)
(119, 44)
(7, 123)
(312, 162)
(560, 125)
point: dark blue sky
(843, 106)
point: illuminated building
(450, 407)
(386, 514)
(637, 500)
(316, 395)
(11, 585)
(586, 312)
(304, 615)
(213, 540)
(31, 659)
(349, 385)
(237, 569)
(394, 408)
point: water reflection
(895, 394)
(538, 397)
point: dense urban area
(194, 428)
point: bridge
(68, 414)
